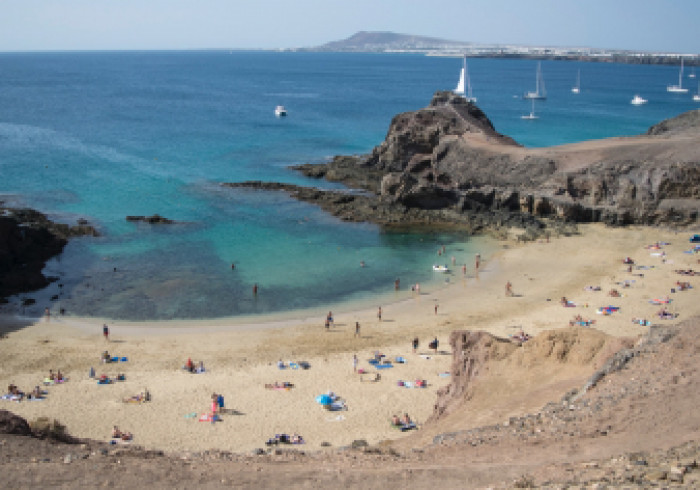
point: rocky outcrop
(155, 219)
(448, 156)
(27, 240)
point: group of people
(403, 423)
(56, 377)
(121, 435)
(190, 366)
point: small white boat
(696, 97)
(440, 268)
(638, 100)
(678, 89)
(280, 111)
(532, 115)
(540, 92)
(577, 88)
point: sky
(644, 25)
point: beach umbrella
(323, 399)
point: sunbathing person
(106, 357)
(200, 367)
(614, 293)
(36, 394)
(664, 314)
(395, 421)
(123, 435)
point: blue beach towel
(384, 366)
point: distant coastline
(389, 42)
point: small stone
(655, 475)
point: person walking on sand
(354, 363)
(105, 332)
(477, 259)
(415, 344)
(464, 269)
(357, 329)
(436, 308)
(379, 313)
(509, 289)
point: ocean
(103, 135)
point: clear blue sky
(651, 25)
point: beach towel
(444, 375)
(209, 417)
(384, 366)
(294, 365)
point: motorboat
(440, 268)
(280, 111)
(638, 100)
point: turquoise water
(106, 135)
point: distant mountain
(365, 41)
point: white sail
(460, 85)
(464, 86)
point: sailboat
(532, 112)
(678, 88)
(465, 82)
(692, 73)
(696, 97)
(540, 92)
(577, 88)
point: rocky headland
(28, 239)
(447, 165)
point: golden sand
(241, 358)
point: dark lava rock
(27, 240)
(154, 219)
(13, 424)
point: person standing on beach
(509, 289)
(105, 332)
(354, 363)
(477, 259)
(357, 329)
(396, 284)
(464, 269)
(436, 308)
(415, 344)
(379, 314)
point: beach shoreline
(241, 359)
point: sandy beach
(240, 358)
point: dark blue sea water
(106, 135)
